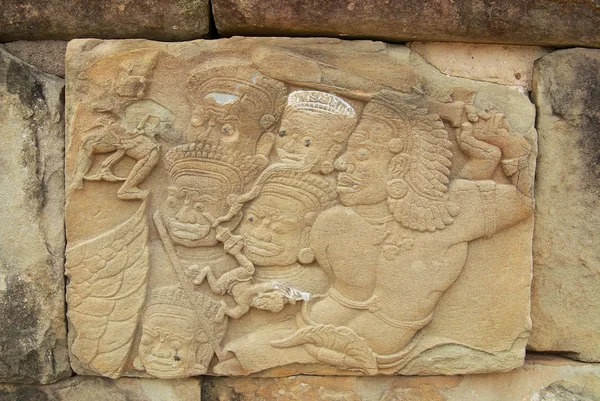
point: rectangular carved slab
(293, 206)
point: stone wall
(520, 319)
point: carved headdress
(173, 302)
(320, 102)
(420, 168)
(207, 158)
(228, 80)
(312, 190)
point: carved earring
(306, 256)
(137, 363)
(397, 188)
(326, 167)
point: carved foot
(221, 312)
(199, 279)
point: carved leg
(106, 167)
(235, 313)
(204, 272)
(91, 145)
(139, 172)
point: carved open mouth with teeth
(165, 364)
(262, 248)
(346, 183)
(189, 231)
(288, 157)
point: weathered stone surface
(540, 379)
(60, 20)
(565, 302)
(524, 22)
(291, 206)
(33, 329)
(46, 55)
(81, 388)
(502, 64)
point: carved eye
(362, 154)
(276, 227)
(307, 142)
(227, 129)
(251, 219)
(282, 133)
(199, 207)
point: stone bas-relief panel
(282, 206)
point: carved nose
(186, 215)
(290, 145)
(262, 233)
(160, 351)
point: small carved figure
(314, 128)
(131, 134)
(173, 344)
(401, 238)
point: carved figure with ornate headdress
(235, 107)
(314, 128)
(203, 177)
(401, 238)
(174, 343)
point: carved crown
(198, 158)
(320, 102)
(230, 77)
(314, 191)
(170, 301)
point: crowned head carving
(399, 153)
(233, 105)
(313, 129)
(202, 176)
(173, 343)
(277, 223)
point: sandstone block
(99, 389)
(290, 206)
(33, 330)
(524, 22)
(46, 55)
(60, 20)
(506, 65)
(540, 379)
(565, 301)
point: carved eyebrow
(204, 197)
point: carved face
(230, 120)
(363, 175)
(167, 349)
(305, 139)
(193, 202)
(274, 230)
